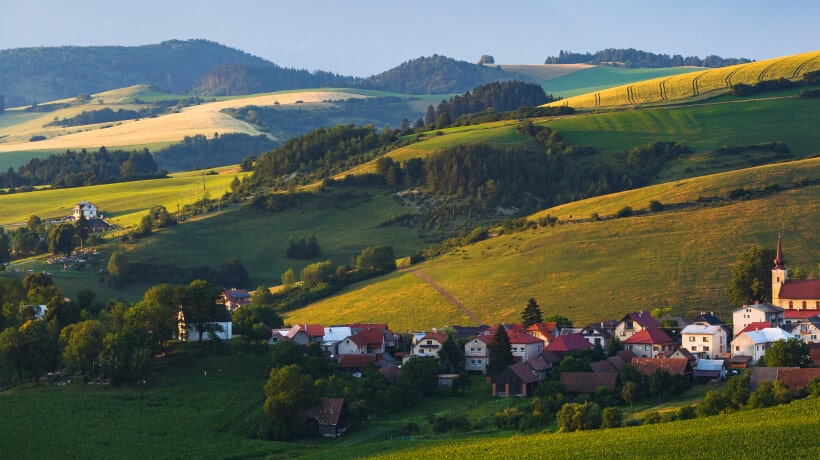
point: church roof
(800, 289)
(779, 262)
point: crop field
(598, 78)
(680, 258)
(724, 436)
(699, 85)
(125, 203)
(703, 127)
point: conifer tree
(500, 352)
(532, 313)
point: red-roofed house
(235, 298)
(792, 294)
(675, 366)
(355, 363)
(649, 343)
(545, 332)
(524, 345)
(329, 418)
(370, 340)
(305, 334)
(796, 316)
(756, 326)
(429, 344)
(633, 323)
(565, 343)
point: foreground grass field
(588, 271)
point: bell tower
(779, 274)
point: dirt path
(426, 278)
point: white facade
(85, 208)
(756, 313)
(475, 355)
(808, 330)
(705, 342)
(225, 334)
(755, 343)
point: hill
(696, 85)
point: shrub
(652, 418)
(612, 417)
(574, 416)
(508, 418)
(655, 206)
(687, 412)
(626, 211)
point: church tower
(779, 274)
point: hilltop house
(305, 334)
(84, 208)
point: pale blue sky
(366, 37)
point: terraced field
(695, 85)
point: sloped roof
(767, 335)
(569, 342)
(800, 289)
(710, 364)
(312, 330)
(435, 335)
(521, 338)
(764, 307)
(547, 329)
(675, 366)
(372, 336)
(588, 382)
(356, 361)
(330, 411)
(617, 362)
(756, 326)
(626, 355)
(814, 352)
(800, 314)
(651, 336)
(708, 318)
(642, 318)
(236, 295)
(701, 329)
(604, 366)
(553, 357)
(336, 333)
(538, 363)
(516, 373)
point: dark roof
(626, 355)
(569, 342)
(709, 319)
(516, 373)
(651, 335)
(800, 289)
(470, 331)
(538, 363)
(764, 307)
(588, 382)
(675, 366)
(553, 357)
(604, 366)
(794, 377)
(762, 373)
(355, 361)
(642, 318)
(617, 361)
(330, 411)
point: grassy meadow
(695, 85)
(598, 78)
(680, 258)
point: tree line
(196, 152)
(631, 57)
(77, 169)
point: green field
(603, 77)
(589, 271)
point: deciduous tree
(788, 353)
(287, 392)
(751, 276)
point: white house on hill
(85, 208)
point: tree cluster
(303, 247)
(636, 58)
(106, 115)
(253, 78)
(200, 152)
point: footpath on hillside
(426, 278)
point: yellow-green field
(124, 203)
(698, 85)
(599, 270)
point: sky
(363, 38)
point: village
(704, 349)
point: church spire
(778, 261)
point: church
(793, 294)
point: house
(220, 327)
(390, 339)
(756, 313)
(604, 367)
(355, 363)
(633, 323)
(705, 342)
(649, 342)
(84, 208)
(305, 334)
(793, 294)
(367, 341)
(516, 380)
(540, 367)
(476, 352)
(755, 343)
(523, 345)
(599, 333)
(429, 344)
(468, 332)
(711, 369)
(235, 298)
(329, 418)
(755, 327)
(796, 316)
(334, 335)
(675, 366)
(588, 382)
(808, 330)
(543, 331)
(564, 344)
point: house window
(694, 348)
(691, 338)
(706, 339)
(646, 347)
(737, 348)
(804, 305)
(705, 348)
(791, 304)
(429, 342)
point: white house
(85, 208)
(756, 313)
(705, 342)
(221, 327)
(429, 344)
(633, 323)
(476, 352)
(524, 345)
(808, 330)
(333, 336)
(755, 343)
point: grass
(590, 271)
(600, 78)
(695, 85)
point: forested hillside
(243, 78)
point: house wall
(475, 356)
(646, 350)
(697, 344)
(744, 346)
(225, 334)
(625, 330)
(349, 347)
(427, 347)
(807, 332)
(749, 314)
